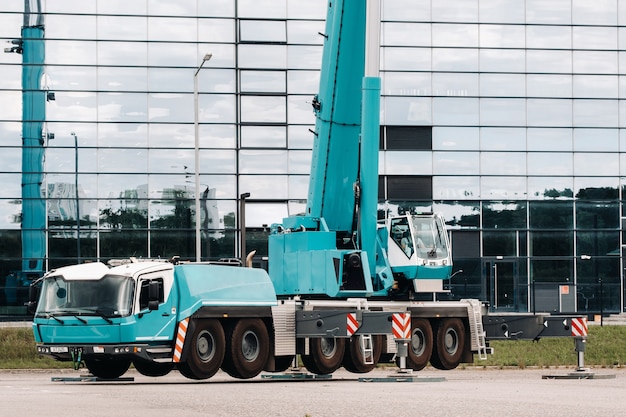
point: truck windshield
(430, 239)
(110, 296)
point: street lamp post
(197, 156)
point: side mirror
(33, 297)
(153, 295)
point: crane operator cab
(419, 250)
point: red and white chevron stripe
(352, 325)
(180, 339)
(579, 327)
(401, 325)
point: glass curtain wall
(507, 117)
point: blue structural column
(33, 117)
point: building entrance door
(501, 283)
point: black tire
(248, 349)
(281, 364)
(206, 351)
(107, 368)
(449, 344)
(420, 346)
(148, 368)
(353, 359)
(325, 355)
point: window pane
(503, 85)
(406, 34)
(455, 111)
(502, 139)
(407, 162)
(456, 188)
(273, 187)
(509, 188)
(406, 111)
(263, 31)
(550, 163)
(447, 84)
(263, 81)
(456, 163)
(263, 161)
(450, 59)
(408, 138)
(262, 56)
(549, 139)
(551, 243)
(504, 215)
(263, 136)
(551, 215)
(540, 188)
(397, 59)
(405, 84)
(502, 36)
(597, 215)
(256, 109)
(596, 140)
(546, 112)
(549, 85)
(456, 138)
(502, 112)
(502, 163)
(502, 60)
(548, 37)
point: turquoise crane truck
(340, 286)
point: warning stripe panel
(579, 326)
(401, 325)
(352, 325)
(180, 339)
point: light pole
(197, 156)
(76, 195)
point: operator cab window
(144, 293)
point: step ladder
(474, 314)
(367, 348)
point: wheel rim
(250, 346)
(328, 346)
(205, 346)
(451, 341)
(418, 342)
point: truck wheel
(148, 368)
(354, 361)
(420, 346)
(107, 369)
(248, 349)
(450, 343)
(206, 353)
(325, 355)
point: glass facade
(507, 117)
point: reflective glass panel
(547, 112)
(298, 190)
(540, 61)
(265, 186)
(224, 8)
(602, 12)
(551, 215)
(260, 214)
(499, 243)
(263, 161)
(299, 137)
(502, 112)
(501, 60)
(595, 62)
(406, 162)
(550, 163)
(214, 108)
(299, 110)
(122, 28)
(549, 139)
(263, 136)
(262, 56)
(504, 215)
(455, 163)
(406, 10)
(406, 84)
(452, 84)
(406, 111)
(595, 86)
(455, 10)
(502, 139)
(304, 32)
(120, 78)
(122, 160)
(272, 9)
(263, 31)
(397, 59)
(551, 12)
(266, 109)
(215, 30)
(503, 163)
(597, 214)
(502, 85)
(502, 36)
(455, 138)
(299, 162)
(552, 243)
(549, 85)
(456, 188)
(595, 37)
(451, 59)
(548, 37)
(540, 188)
(217, 161)
(596, 188)
(406, 34)
(265, 81)
(596, 140)
(510, 188)
(455, 111)
(596, 113)
(459, 214)
(121, 53)
(303, 82)
(304, 57)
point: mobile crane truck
(340, 285)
